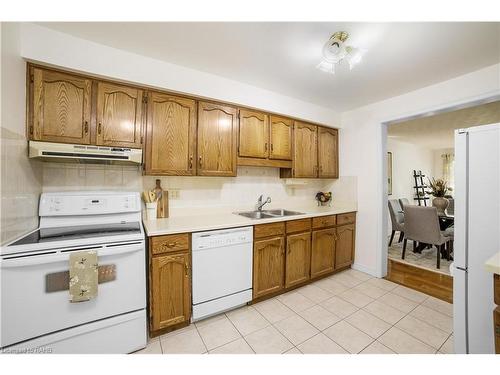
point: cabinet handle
(265, 147)
(186, 269)
(200, 161)
(272, 148)
(191, 162)
(99, 128)
(86, 126)
(170, 244)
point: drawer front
(268, 230)
(496, 288)
(170, 243)
(496, 319)
(301, 225)
(346, 218)
(323, 222)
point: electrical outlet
(173, 193)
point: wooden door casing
(281, 138)
(305, 160)
(298, 258)
(268, 266)
(344, 250)
(322, 252)
(253, 134)
(328, 153)
(61, 107)
(170, 135)
(170, 290)
(217, 140)
(119, 115)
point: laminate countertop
(493, 264)
(222, 220)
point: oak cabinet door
(268, 266)
(119, 115)
(344, 251)
(170, 290)
(61, 107)
(328, 155)
(305, 161)
(281, 130)
(322, 252)
(170, 135)
(298, 258)
(254, 134)
(217, 140)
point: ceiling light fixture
(335, 51)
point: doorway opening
(420, 172)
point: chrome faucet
(261, 204)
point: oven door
(35, 295)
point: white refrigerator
(477, 231)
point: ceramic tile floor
(350, 312)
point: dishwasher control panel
(221, 238)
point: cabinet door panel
(61, 107)
(328, 153)
(119, 115)
(217, 139)
(170, 290)
(344, 251)
(170, 135)
(281, 130)
(298, 258)
(322, 252)
(305, 161)
(254, 134)
(268, 266)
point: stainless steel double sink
(268, 214)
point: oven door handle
(35, 260)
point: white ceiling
(281, 57)
(438, 131)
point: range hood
(64, 152)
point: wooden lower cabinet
(344, 249)
(268, 266)
(170, 290)
(322, 252)
(298, 258)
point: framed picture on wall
(389, 173)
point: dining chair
(397, 219)
(450, 210)
(404, 202)
(450, 234)
(422, 225)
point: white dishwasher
(222, 270)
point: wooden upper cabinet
(61, 107)
(268, 266)
(322, 252)
(119, 115)
(298, 257)
(328, 153)
(170, 135)
(254, 134)
(281, 130)
(344, 250)
(217, 139)
(170, 290)
(305, 160)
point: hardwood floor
(435, 284)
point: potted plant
(438, 189)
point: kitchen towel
(83, 275)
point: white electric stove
(36, 313)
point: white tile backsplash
(198, 192)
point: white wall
(20, 177)
(362, 144)
(407, 157)
(47, 46)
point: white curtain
(448, 169)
